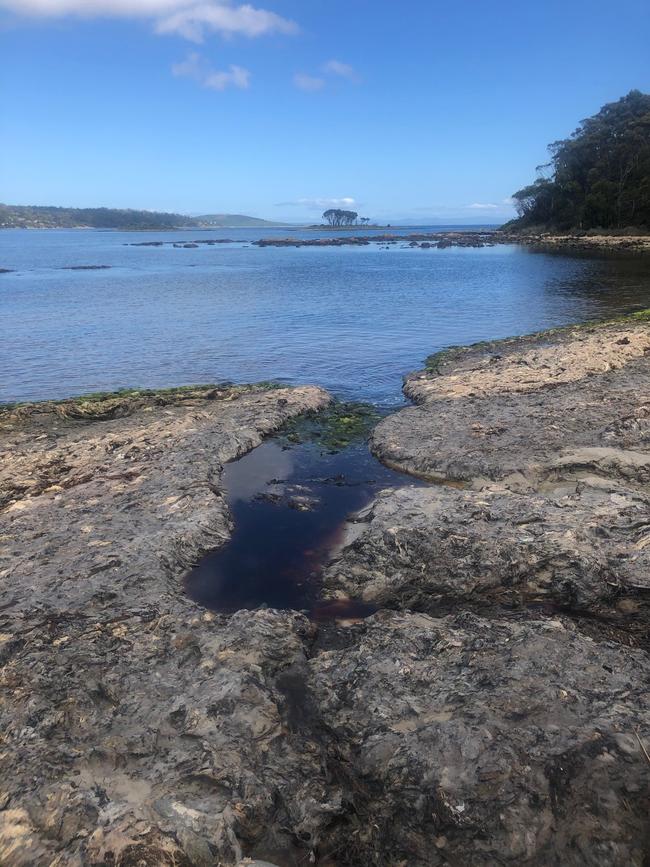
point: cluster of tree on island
(599, 177)
(338, 217)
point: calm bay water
(351, 319)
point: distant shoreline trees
(338, 217)
(599, 177)
(18, 216)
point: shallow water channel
(289, 504)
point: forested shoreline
(598, 178)
(50, 217)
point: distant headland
(50, 217)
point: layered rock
(585, 550)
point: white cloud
(189, 18)
(308, 82)
(198, 69)
(318, 204)
(479, 206)
(236, 76)
(344, 70)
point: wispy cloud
(308, 82)
(317, 204)
(198, 69)
(304, 81)
(192, 19)
(480, 206)
(343, 70)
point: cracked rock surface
(493, 711)
(481, 742)
(433, 549)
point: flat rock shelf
(492, 710)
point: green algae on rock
(335, 428)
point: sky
(417, 111)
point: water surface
(288, 505)
(351, 319)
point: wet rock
(86, 267)
(385, 241)
(576, 241)
(303, 503)
(139, 729)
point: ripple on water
(351, 320)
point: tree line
(599, 177)
(17, 216)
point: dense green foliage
(599, 176)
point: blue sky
(419, 110)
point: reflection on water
(351, 319)
(288, 505)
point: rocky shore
(578, 241)
(468, 238)
(494, 710)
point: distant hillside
(45, 217)
(232, 221)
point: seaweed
(334, 428)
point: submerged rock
(87, 267)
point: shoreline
(473, 238)
(504, 672)
(429, 240)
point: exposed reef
(440, 240)
(191, 245)
(425, 240)
(87, 267)
(469, 238)
(493, 711)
